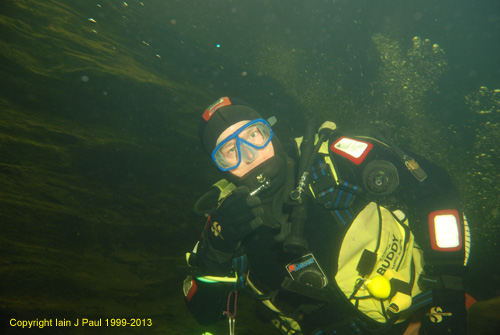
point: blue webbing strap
(239, 264)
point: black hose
(306, 148)
(207, 203)
(296, 242)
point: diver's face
(250, 157)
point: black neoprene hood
(219, 116)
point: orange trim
(349, 156)
(192, 290)
(469, 300)
(215, 106)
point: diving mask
(242, 144)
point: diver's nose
(248, 153)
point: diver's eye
(254, 136)
(229, 150)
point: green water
(99, 156)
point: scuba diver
(341, 235)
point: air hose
(295, 242)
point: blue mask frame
(239, 140)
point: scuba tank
(410, 163)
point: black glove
(447, 313)
(238, 215)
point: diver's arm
(436, 201)
(218, 258)
(206, 296)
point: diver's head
(240, 142)
(243, 146)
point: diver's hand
(446, 314)
(238, 215)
